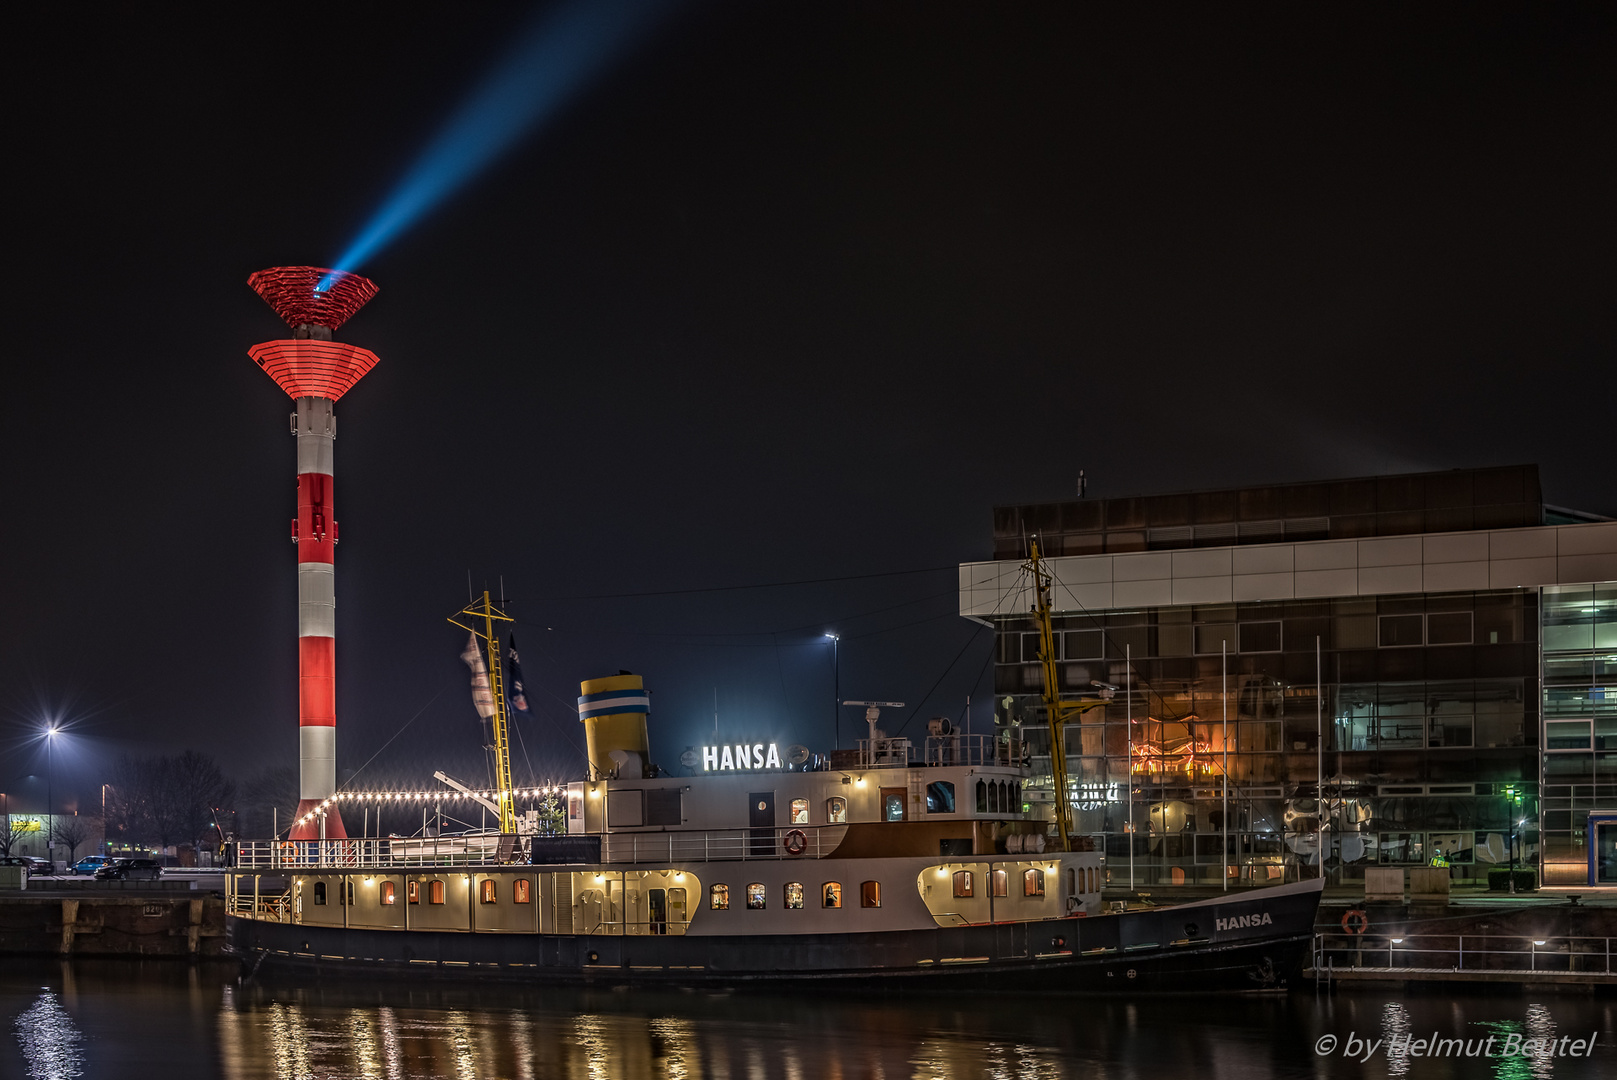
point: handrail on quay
(1494, 954)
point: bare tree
(8, 834)
(269, 796)
(69, 832)
(203, 790)
(128, 801)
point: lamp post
(836, 689)
(50, 798)
(104, 848)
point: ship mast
(487, 613)
(1058, 711)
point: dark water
(168, 1020)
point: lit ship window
(755, 896)
(870, 894)
(521, 891)
(794, 895)
(719, 897)
(412, 892)
(387, 893)
(435, 892)
(1033, 883)
(836, 810)
(800, 812)
(999, 883)
(962, 882)
(831, 894)
(485, 890)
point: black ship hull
(1252, 941)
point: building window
(1214, 638)
(1567, 735)
(962, 882)
(386, 894)
(435, 891)
(719, 897)
(1260, 637)
(836, 810)
(1030, 647)
(999, 883)
(940, 797)
(412, 892)
(1401, 631)
(1448, 628)
(485, 890)
(319, 892)
(1085, 644)
(522, 891)
(831, 894)
(755, 896)
(1033, 883)
(870, 894)
(800, 812)
(794, 895)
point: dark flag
(519, 699)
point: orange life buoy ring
(1355, 921)
(796, 842)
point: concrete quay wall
(182, 924)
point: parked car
(18, 860)
(36, 865)
(91, 863)
(130, 870)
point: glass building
(1382, 670)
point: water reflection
(171, 1021)
(50, 1042)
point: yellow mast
(1058, 711)
(488, 613)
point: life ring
(1355, 921)
(796, 842)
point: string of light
(439, 796)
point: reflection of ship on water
(916, 862)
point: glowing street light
(50, 797)
(836, 687)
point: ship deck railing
(790, 841)
(941, 750)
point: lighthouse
(315, 371)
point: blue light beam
(556, 59)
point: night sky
(789, 293)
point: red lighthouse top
(312, 294)
(311, 365)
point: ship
(893, 863)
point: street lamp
(50, 798)
(836, 689)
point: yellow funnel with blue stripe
(613, 711)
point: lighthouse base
(310, 830)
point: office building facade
(1367, 672)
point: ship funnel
(613, 711)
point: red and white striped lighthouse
(315, 371)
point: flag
(519, 699)
(482, 698)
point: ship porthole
(594, 957)
(1131, 973)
